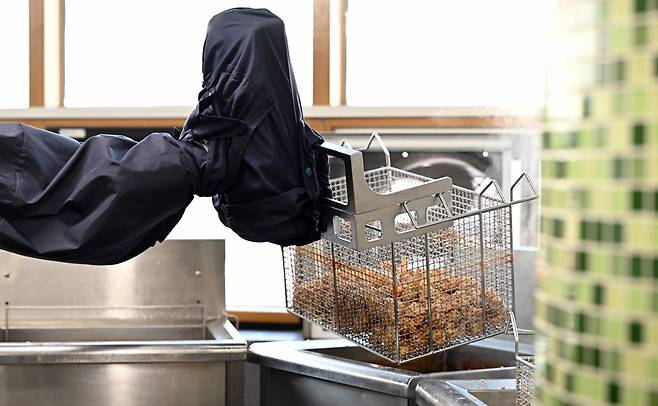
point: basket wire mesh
(525, 367)
(525, 381)
(415, 296)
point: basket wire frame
(415, 296)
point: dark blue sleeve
(100, 202)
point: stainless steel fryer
(337, 372)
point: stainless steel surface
(280, 388)
(165, 275)
(193, 372)
(133, 373)
(150, 331)
(107, 319)
(113, 384)
(434, 392)
(525, 270)
(343, 373)
(494, 392)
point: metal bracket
(428, 224)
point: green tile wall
(597, 300)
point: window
(254, 271)
(14, 48)
(446, 53)
(148, 53)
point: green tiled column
(597, 302)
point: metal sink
(150, 331)
(331, 372)
(122, 366)
(218, 342)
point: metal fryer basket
(405, 299)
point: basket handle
(373, 137)
(428, 224)
(354, 170)
(499, 191)
(535, 194)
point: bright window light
(446, 52)
(14, 48)
(254, 271)
(148, 52)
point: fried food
(361, 304)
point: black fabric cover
(110, 198)
(266, 177)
